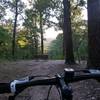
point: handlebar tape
(5, 88)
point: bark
(14, 30)
(36, 45)
(68, 45)
(93, 34)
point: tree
(36, 21)
(16, 6)
(78, 26)
(43, 8)
(93, 34)
(31, 25)
(14, 30)
(67, 31)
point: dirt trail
(85, 90)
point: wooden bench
(44, 57)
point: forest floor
(84, 90)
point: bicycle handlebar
(6, 87)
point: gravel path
(84, 90)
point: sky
(51, 33)
(84, 12)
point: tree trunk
(67, 31)
(93, 34)
(36, 39)
(14, 31)
(36, 45)
(41, 31)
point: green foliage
(80, 46)
(2, 11)
(32, 30)
(12, 5)
(56, 48)
(81, 3)
(42, 5)
(5, 43)
(22, 40)
(82, 50)
(25, 45)
(79, 29)
(4, 36)
(26, 52)
(31, 21)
